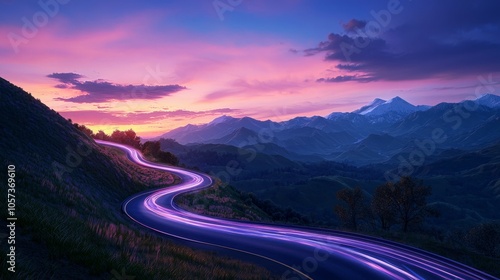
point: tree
(101, 135)
(382, 206)
(152, 149)
(354, 208)
(84, 129)
(118, 136)
(133, 139)
(168, 157)
(408, 197)
(484, 238)
(126, 137)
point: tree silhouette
(128, 137)
(484, 238)
(408, 198)
(167, 157)
(382, 206)
(84, 129)
(152, 148)
(354, 208)
(101, 135)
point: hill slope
(69, 192)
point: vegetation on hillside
(400, 211)
(477, 246)
(69, 193)
(71, 226)
(403, 203)
(150, 149)
(224, 201)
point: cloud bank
(454, 39)
(103, 91)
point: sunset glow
(159, 66)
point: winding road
(301, 253)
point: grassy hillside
(465, 188)
(68, 197)
(313, 197)
(464, 191)
(224, 202)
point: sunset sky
(156, 65)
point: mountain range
(374, 133)
(301, 163)
(66, 219)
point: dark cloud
(66, 78)
(353, 25)
(346, 78)
(338, 79)
(103, 91)
(429, 39)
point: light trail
(347, 255)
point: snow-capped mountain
(349, 117)
(373, 133)
(397, 104)
(489, 100)
(368, 108)
(221, 119)
(382, 111)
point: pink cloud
(256, 76)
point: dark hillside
(68, 198)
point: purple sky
(158, 65)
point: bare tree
(354, 208)
(382, 206)
(408, 196)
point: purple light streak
(382, 257)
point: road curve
(303, 253)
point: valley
(452, 149)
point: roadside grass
(222, 201)
(81, 233)
(227, 202)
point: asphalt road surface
(302, 253)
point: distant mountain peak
(487, 95)
(489, 100)
(368, 108)
(240, 137)
(397, 99)
(381, 107)
(221, 119)
(377, 101)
